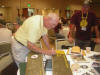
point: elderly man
(83, 22)
(29, 33)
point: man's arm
(46, 41)
(72, 31)
(36, 49)
(97, 34)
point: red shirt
(81, 34)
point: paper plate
(34, 56)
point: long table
(34, 66)
(60, 65)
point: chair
(5, 55)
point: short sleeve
(94, 20)
(73, 19)
(44, 32)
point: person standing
(82, 22)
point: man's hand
(50, 52)
(70, 39)
(97, 40)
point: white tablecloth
(79, 71)
(88, 62)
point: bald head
(51, 20)
(53, 16)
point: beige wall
(41, 4)
(3, 11)
(6, 13)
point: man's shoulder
(78, 13)
(91, 13)
(35, 17)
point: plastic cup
(88, 49)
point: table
(59, 66)
(88, 65)
(36, 66)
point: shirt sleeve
(94, 20)
(73, 19)
(44, 32)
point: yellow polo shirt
(31, 30)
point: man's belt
(18, 41)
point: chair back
(5, 48)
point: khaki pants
(19, 52)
